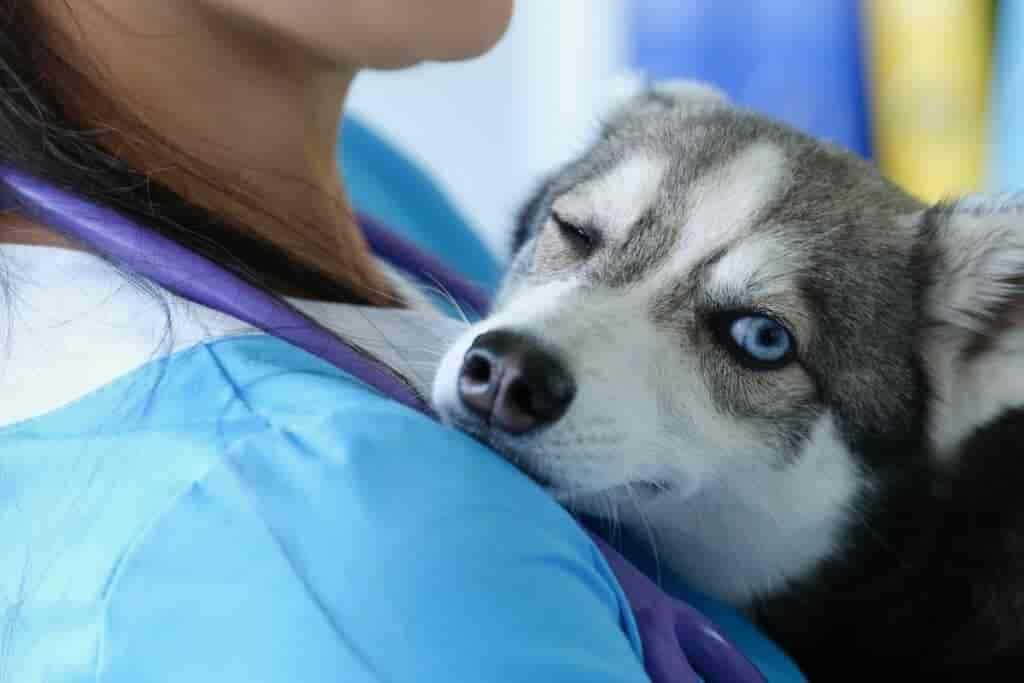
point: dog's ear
(973, 250)
(685, 97)
(971, 254)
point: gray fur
(786, 487)
(836, 208)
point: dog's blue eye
(762, 340)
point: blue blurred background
(929, 90)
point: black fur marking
(938, 593)
(929, 583)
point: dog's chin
(598, 501)
(509, 447)
(455, 417)
(504, 444)
(577, 495)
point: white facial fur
(644, 419)
(647, 440)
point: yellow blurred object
(929, 76)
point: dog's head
(721, 328)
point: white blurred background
(487, 129)
(895, 81)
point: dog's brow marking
(615, 200)
(725, 201)
(759, 262)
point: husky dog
(804, 384)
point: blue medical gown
(243, 511)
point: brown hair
(59, 122)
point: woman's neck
(261, 113)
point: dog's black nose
(509, 380)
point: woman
(186, 498)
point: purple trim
(193, 277)
(419, 264)
(667, 626)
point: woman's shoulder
(299, 527)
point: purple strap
(192, 277)
(668, 625)
(678, 641)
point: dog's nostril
(477, 382)
(519, 395)
(477, 369)
(557, 393)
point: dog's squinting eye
(579, 238)
(758, 342)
